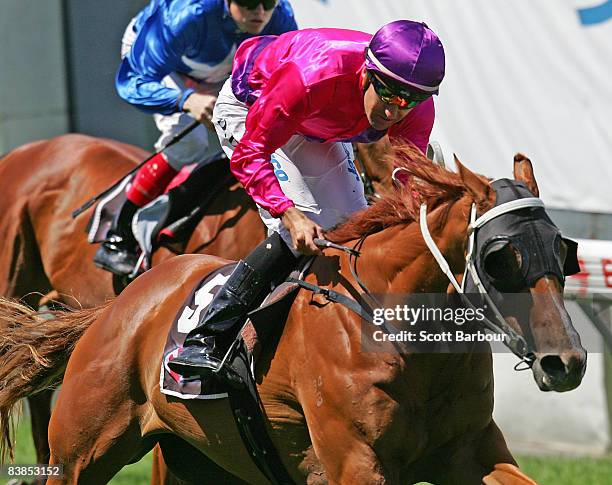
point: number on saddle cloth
(244, 400)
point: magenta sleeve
(272, 120)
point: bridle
(515, 342)
(496, 323)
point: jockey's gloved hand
(200, 106)
(303, 231)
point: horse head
(517, 262)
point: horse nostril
(553, 366)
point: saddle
(170, 219)
(264, 326)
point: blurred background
(58, 60)
(527, 75)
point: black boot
(207, 344)
(118, 254)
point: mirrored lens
(399, 96)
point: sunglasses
(252, 4)
(393, 93)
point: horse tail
(34, 350)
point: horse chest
(436, 402)
(460, 403)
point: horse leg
(347, 459)
(469, 471)
(182, 464)
(493, 453)
(160, 475)
(507, 474)
(26, 280)
(95, 444)
(486, 460)
(92, 454)
(40, 414)
(95, 427)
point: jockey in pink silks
(287, 117)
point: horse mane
(427, 182)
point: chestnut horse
(46, 251)
(337, 414)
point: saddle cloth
(261, 324)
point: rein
(360, 308)
(368, 186)
(353, 268)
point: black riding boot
(118, 254)
(206, 345)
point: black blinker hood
(531, 232)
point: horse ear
(523, 171)
(475, 184)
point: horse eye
(503, 263)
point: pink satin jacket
(306, 82)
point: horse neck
(397, 260)
(377, 168)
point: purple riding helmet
(409, 53)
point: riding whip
(178, 137)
